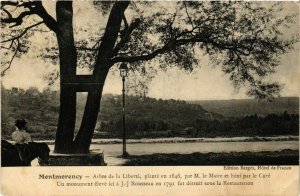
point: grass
(284, 157)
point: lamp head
(123, 70)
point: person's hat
(20, 123)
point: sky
(204, 83)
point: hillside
(142, 114)
(146, 116)
(245, 107)
(151, 118)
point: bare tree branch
(85, 48)
(145, 57)
(178, 42)
(11, 3)
(10, 62)
(12, 42)
(139, 57)
(23, 33)
(187, 13)
(7, 12)
(110, 34)
(48, 19)
(125, 36)
(97, 43)
(125, 21)
(170, 24)
(18, 20)
(35, 7)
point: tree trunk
(84, 137)
(68, 62)
(92, 107)
(66, 121)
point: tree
(32, 91)
(244, 38)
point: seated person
(21, 139)
(20, 136)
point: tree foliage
(244, 38)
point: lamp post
(123, 73)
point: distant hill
(146, 116)
(149, 117)
(142, 113)
(245, 107)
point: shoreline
(190, 140)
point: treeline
(40, 109)
(143, 114)
(253, 125)
(145, 117)
(148, 117)
(246, 107)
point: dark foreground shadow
(285, 157)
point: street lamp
(123, 73)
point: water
(187, 148)
(112, 151)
